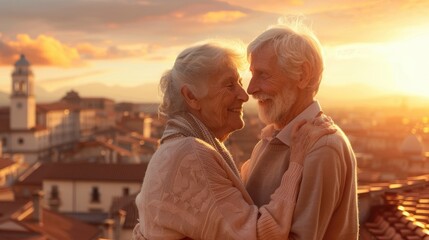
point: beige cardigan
(327, 206)
(190, 192)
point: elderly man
(287, 66)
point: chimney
(108, 228)
(119, 218)
(38, 207)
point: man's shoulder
(337, 141)
(331, 150)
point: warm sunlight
(411, 65)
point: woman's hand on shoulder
(306, 133)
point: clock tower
(22, 101)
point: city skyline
(129, 43)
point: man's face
(276, 94)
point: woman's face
(222, 108)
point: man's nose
(253, 86)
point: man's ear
(190, 98)
(304, 81)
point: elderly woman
(192, 188)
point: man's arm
(320, 191)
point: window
(22, 86)
(125, 191)
(20, 141)
(54, 198)
(95, 195)
(54, 192)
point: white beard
(275, 110)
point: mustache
(261, 96)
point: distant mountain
(140, 93)
(43, 95)
(398, 100)
(357, 95)
(349, 95)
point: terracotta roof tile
(56, 106)
(4, 163)
(94, 143)
(13, 235)
(403, 212)
(63, 227)
(97, 99)
(7, 208)
(55, 225)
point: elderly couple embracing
(300, 182)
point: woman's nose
(242, 95)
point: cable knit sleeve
(205, 200)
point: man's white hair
(295, 46)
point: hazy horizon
(130, 43)
(345, 96)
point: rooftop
(4, 163)
(84, 172)
(16, 222)
(396, 210)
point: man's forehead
(264, 56)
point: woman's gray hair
(294, 45)
(193, 68)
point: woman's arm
(206, 201)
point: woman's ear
(190, 98)
(304, 81)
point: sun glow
(410, 60)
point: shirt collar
(285, 134)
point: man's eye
(265, 75)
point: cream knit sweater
(190, 192)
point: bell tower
(22, 101)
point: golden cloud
(43, 50)
(48, 51)
(90, 51)
(222, 16)
(279, 6)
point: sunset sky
(380, 43)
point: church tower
(22, 101)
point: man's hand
(306, 133)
